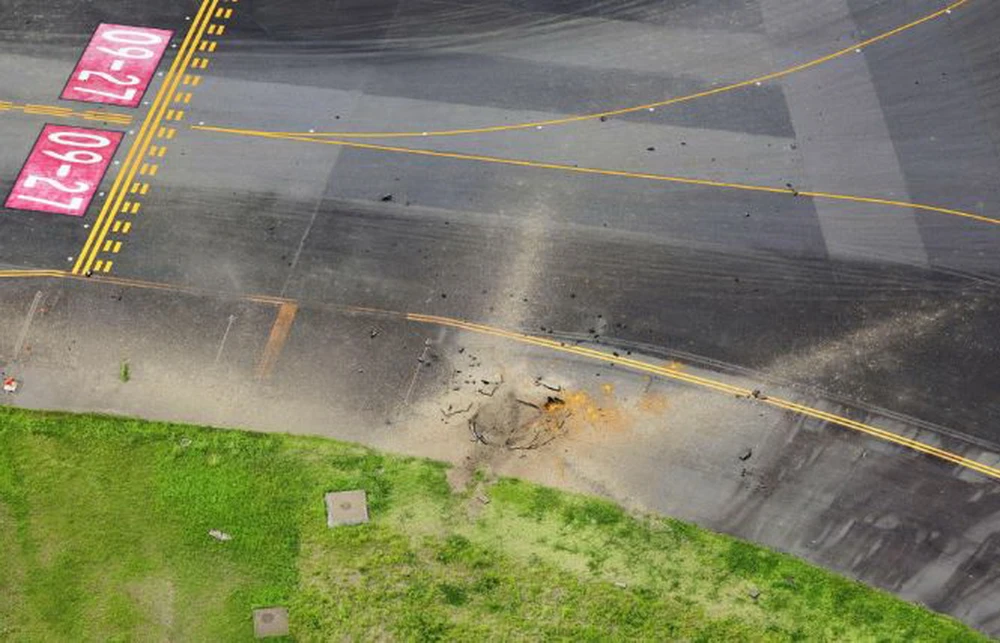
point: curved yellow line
(605, 172)
(716, 385)
(648, 106)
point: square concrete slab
(346, 508)
(270, 621)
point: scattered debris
(650, 149)
(604, 119)
(552, 387)
(489, 388)
(621, 585)
(483, 499)
(185, 442)
(757, 395)
(374, 332)
(746, 455)
(754, 593)
(386, 198)
(10, 385)
(219, 535)
(450, 412)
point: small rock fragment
(754, 593)
(746, 455)
(219, 535)
(548, 385)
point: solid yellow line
(716, 385)
(664, 103)
(138, 150)
(605, 172)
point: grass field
(103, 536)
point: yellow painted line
(144, 189)
(212, 45)
(107, 266)
(135, 207)
(152, 170)
(116, 247)
(228, 14)
(107, 245)
(663, 103)
(134, 188)
(288, 309)
(126, 227)
(221, 30)
(196, 80)
(142, 141)
(716, 385)
(126, 205)
(276, 340)
(117, 226)
(171, 133)
(65, 112)
(16, 274)
(615, 173)
(212, 29)
(161, 151)
(219, 12)
(46, 109)
(203, 45)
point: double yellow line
(66, 112)
(140, 145)
(288, 308)
(715, 385)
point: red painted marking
(118, 65)
(64, 169)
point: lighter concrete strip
(842, 136)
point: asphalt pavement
(797, 196)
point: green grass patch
(104, 536)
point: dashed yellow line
(852, 49)
(577, 169)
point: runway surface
(799, 201)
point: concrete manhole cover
(270, 621)
(346, 508)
